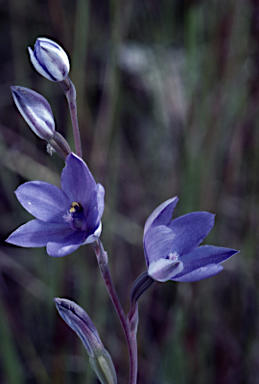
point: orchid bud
(49, 59)
(80, 322)
(36, 111)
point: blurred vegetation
(168, 98)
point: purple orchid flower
(172, 248)
(65, 218)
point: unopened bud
(80, 322)
(49, 59)
(35, 110)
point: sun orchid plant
(70, 216)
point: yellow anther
(75, 207)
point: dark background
(168, 105)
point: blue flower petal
(190, 230)
(200, 273)
(67, 244)
(37, 233)
(91, 238)
(77, 181)
(208, 254)
(162, 215)
(205, 255)
(100, 192)
(96, 207)
(157, 243)
(43, 200)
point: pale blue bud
(35, 110)
(80, 322)
(49, 59)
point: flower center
(173, 256)
(76, 207)
(75, 217)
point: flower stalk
(70, 93)
(130, 335)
